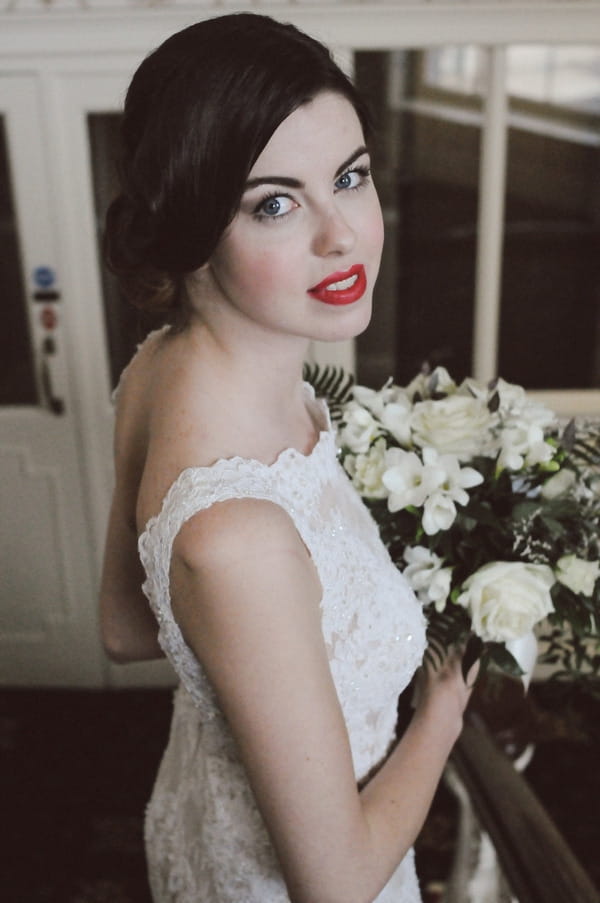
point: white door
(48, 626)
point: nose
(333, 234)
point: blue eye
(352, 178)
(274, 206)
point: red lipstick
(341, 287)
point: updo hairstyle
(198, 113)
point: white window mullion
(490, 222)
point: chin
(347, 327)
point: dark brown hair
(198, 113)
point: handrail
(533, 855)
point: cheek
(264, 272)
(375, 231)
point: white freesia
(516, 404)
(390, 405)
(507, 598)
(366, 470)
(375, 400)
(427, 576)
(458, 424)
(439, 513)
(395, 417)
(560, 483)
(359, 428)
(522, 444)
(439, 588)
(577, 574)
(455, 478)
(408, 480)
(439, 510)
(475, 389)
(372, 400)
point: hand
(440, 684)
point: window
(429, 104)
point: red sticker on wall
(48, 317)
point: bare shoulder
(161, 418)
(133, 404)
(248, 529)
(238, 557)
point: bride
(236, 545)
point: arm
(246, 595)
(128, 627)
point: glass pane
(125, 325)
(17, 374)
(426, 161)
(550, 325)
(567, 77)
(428, 105)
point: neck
(255, 377)
(249, 352)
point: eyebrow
(289, 182)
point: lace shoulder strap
(196, 489)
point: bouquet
(487, 505)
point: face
(302, 254)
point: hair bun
(129, 249)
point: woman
(247, 210)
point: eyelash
(363, 171)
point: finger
(472, 654)
(472, 675)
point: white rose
(367, 470)
(359, 428)
(577, 574)
(459, 425)
(506, 598)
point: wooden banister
(534, 858)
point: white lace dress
(205, 839)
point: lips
(343, 287)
